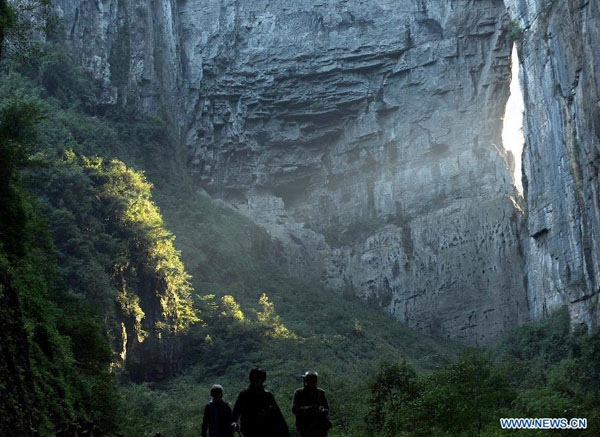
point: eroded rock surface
(378, 126)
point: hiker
(217, 415)
(311, 408)
(257, 410)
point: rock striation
(559, 45)
(364, 135)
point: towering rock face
(364, 135)
(561, 79)
(130, 47)
(377, 125)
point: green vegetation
(85, 253)
(58, 370)
(539, 370)
(514, 33)
(113, 245)
(341, 338)
(464, 397)
(110, 236)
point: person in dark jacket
(311, 408)
(257, 410)
(217, 415)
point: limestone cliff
(380, 122)
(365, 136)
(129, 46)
(560, 58)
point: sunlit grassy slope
(341, 337)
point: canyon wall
(559, 42)
(365, 136)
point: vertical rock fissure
(560, 63)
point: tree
(18, 121)
(21, 22)
(231, 308)
(270, 320)
(465, 396)
(6, 22)
(392, 389)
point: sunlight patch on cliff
(512, 131)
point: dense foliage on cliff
(112, 245)
(84, 254)
(113, 248)
(55, 359)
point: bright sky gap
(512, 131)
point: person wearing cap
(257, 410)
(311, 408)
(217, 415)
